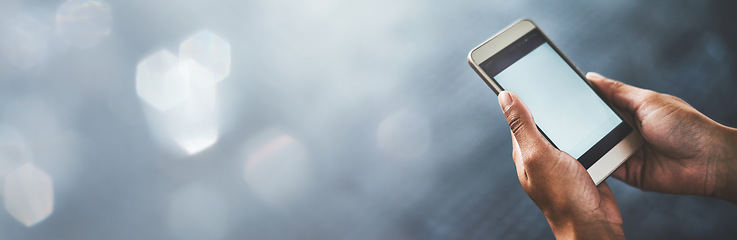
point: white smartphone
(566, 108)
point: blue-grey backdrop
(338, 120)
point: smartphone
(567, 109)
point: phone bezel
(614, 156)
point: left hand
(558, 184)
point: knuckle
(613, 88)
(653, 94)
(516, 123)
(652, 97)
(673, 98)
(615, 84)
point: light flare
(209, 50)
(158, 81)
(277, 168)
(29, 194)
(183, 91)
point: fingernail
(594, 76)
(505, 100)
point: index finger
(623, 96)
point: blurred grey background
(338, 119)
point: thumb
(623, 96)
(520, 121)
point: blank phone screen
(567, 110)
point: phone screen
(565, 108)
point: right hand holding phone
(685, 152)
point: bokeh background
(326, 119)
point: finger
(631, 171)
(531, 147)
(621, 172)
(520, 121)
(604, 190)
(623, 96)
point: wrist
(725, 168)
(591, 228)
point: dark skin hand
(684, 152)
(560, 186)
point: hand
(560, 186)
(685, 152)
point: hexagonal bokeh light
(277, 167)
(159, 81)
(29, 194)
(183, 90)
(50, 143)
(210, 50)
(193, 125)
(404, 134)
(83, 23)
